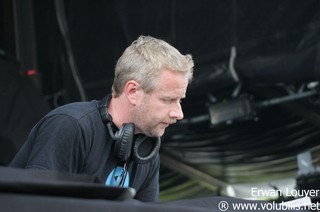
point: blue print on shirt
(118, 177)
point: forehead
(173, 83)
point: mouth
(169, 123)
(173, 122)
(165, 124)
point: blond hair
(144, 60)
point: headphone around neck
(141, 148)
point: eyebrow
(174, 98)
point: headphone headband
(103, 108)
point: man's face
(160, 108)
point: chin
(159, 134)
(156, 134)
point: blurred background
(252, 111)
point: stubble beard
(143, 120)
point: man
(117, 139)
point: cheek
(161, 112)
(158, 106)
(152, 111)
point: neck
(119, 110)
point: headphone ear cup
(123, 142)
(145, 148)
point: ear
(132, 90)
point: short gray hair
(144, 60)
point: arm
(149, 192)
(55, 143)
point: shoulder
(76, 110)
(79, 116)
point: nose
(176, 112)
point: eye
(168, 100)
(172, 100)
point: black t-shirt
(73, 139)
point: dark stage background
(251, 109)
